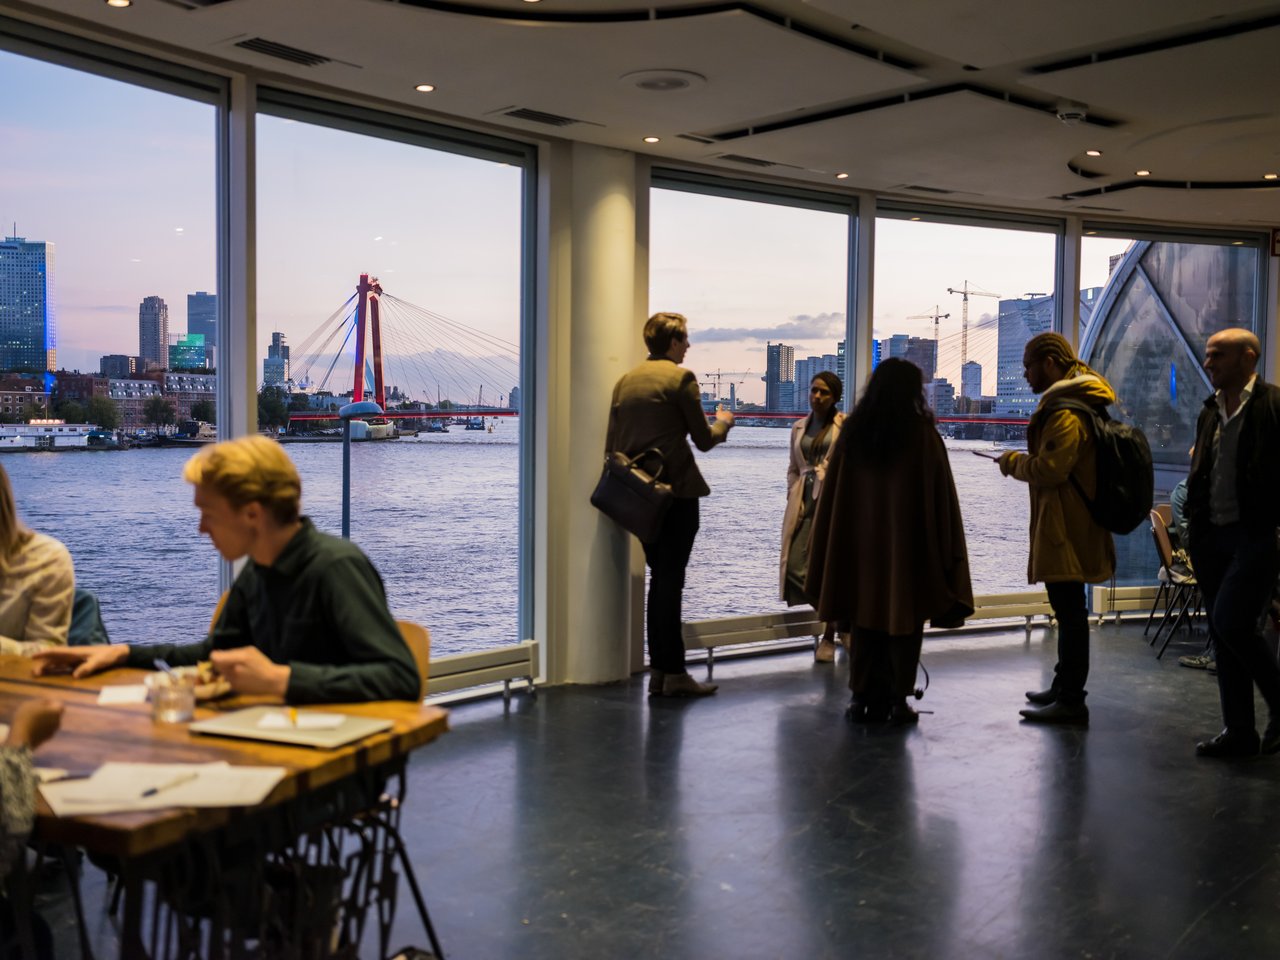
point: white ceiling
(956, 96)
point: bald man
(1233, 510)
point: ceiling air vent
(690, 136)
(920, 189)
(269, 48)
(749, 161)
(539, 116)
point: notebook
(314, 729)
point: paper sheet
(116, 787)
(122, 693)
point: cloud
(824, 326)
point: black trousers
(1236, 569)
(882, 666)
(1071, 611)
(668, 558)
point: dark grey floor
(595, 823)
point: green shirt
(322, 610)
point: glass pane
(764, 288)
(435, 489)
(978, 392)
(1160, 303)
(113, 194)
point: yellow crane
(966, 292)
(732, 377)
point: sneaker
(1201, 661)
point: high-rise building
(941, 396)
(513, 399)
(779, 369)
(153, 333)
(875, 356)
(1018, 322)
(275, 368)
(971, 380)
(202, 316)
(187, 352)
(897, 345)
(923, 352)
(28, 330)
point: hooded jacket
(1066, 544)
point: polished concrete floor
(595, 823)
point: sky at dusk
(121, 179)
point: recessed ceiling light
(119, 3)
(1093, 153)
(1271, 176)
(1142, 173)
(652, 139)
(915, 218)
(425, 87)
(532, 1)
(842, 176)
(1091, 233)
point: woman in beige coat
(1068, 548)
(812, 440)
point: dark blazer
(1258, 466)
(657, 405)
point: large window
(1162, 300)
(764, 285)
(109, 234)
(435, 497)
(960, 300)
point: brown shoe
(655, 682)
(683, 685)
(825, 652)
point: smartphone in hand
(985, 453)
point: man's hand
(79, 661)
(249, 670)
(725, 416)
(34, 722)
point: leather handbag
(631, 497)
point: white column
(590, 318)
(237, 398)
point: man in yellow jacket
(1068, 548)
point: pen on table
(293, 716)
(175, 782)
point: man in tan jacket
(1068, 548)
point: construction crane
(718, 376)
(935, 317)
(966, 292)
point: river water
(438, 516)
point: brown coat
(657, 404)
(888, 549)
(1066, 544)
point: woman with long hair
(37, 583)
(888, 550)
(812, 440)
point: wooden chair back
(418, 640)
(1164, 546)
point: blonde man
(306, 619)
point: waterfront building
(187, 352)
(153, 333)
(971, 380)
(23, 397)
(184, 389)
(80, 387)
(941, 396)
(131, 395)
(275, 368)
(28, 326)
(513, 399)
(118, 365)
(875, 359)
(897, 345)
(780, 362)
(1018, 321)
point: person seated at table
(34, 722)
(306, 619)
(37, 583)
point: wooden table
(143, 842)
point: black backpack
(1126, 480)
